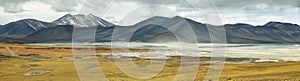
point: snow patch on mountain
(81, 20)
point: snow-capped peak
(81, 20)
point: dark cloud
(221, 4)
(63, 5)
(14, 6)
(235, 4)
(255, 11)
(153, 1)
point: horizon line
(147, 19)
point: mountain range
(154, 29)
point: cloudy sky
(255, 12)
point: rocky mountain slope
(155, 29)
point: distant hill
(23, 28)
(154, 29)
(272, 32)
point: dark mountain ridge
(23, 28)
(160, 29)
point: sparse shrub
(34, 65)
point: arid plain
(54, 63)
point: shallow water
(288, 52)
